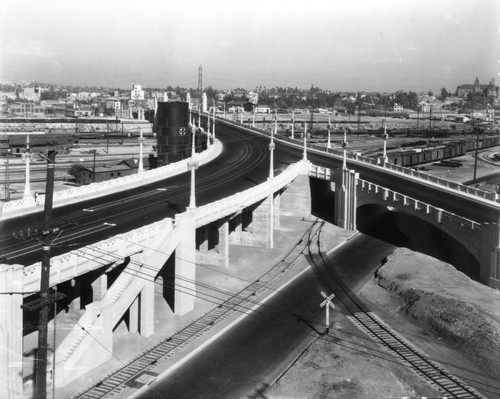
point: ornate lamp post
(271, 153)
(213, 128)
(141, 141)
(344, 146)
(7, 177)
(192, 166)
(304, 155)
(27, 158)
(385, 136)
(329, 144)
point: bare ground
(454, 320)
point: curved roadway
(243, 163)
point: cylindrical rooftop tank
(172, 131)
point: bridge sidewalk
(246, 264)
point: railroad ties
(140, 371)
(418, 362)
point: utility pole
(46, 298)
(107, 138)
(93, 167)
(7, 177)
(200, 81)
(477, 153)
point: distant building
(262, 109)
(24, 109)
(8, 95)
(488, 90)
(31, 93)
(137, 93)
(397, 108)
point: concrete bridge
(115, 278)
(480, 239)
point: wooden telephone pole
(46, 299)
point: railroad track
(140, 370)
(368, 322)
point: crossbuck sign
(327, 303)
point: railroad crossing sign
(327, 303)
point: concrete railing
(353, 156)
(227, 206)
(81, 261)
(320, 172)
(439, 214)
(93, 190)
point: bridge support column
(185, 264)
(296, 199)
(237, 229)
(147, 305)
(345, 198)
(224, 243)
(276, 213)
(11, 331)
(202, 238)
(489, 267)
(133, 317)
(262, 225)
(99, 287)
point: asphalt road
(243, 163)
(248, 358)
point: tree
(76, 170)
(444, 94)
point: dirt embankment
(433, 294)
(449, 317)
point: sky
(339, 45)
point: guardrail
(226, 206)
(439, 214)
(94, 190)
(376, 162)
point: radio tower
(200, 79)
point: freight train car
(431, 154)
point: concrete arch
(453, 225)
(422, 234)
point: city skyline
(344, 45)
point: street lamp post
(27, 158)
(213, 128)
(7, 177)
(141, 141)
(344, 146)
(304, 155)
(329, 144)
(385, 136)
(192, 166)
(271, 154)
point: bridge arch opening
(408, 231)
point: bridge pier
(490, 255)
(11, 331)
(185, 264)
(345, 198)
(296, 199)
